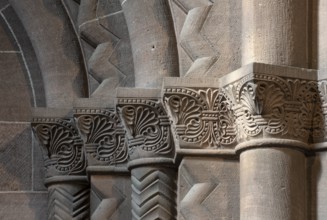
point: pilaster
(151, 152)
(65, 164)
(107, 156)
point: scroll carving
(202, 117)
(148, 128)
(104, 136)
(63, 153)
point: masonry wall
(54, 53)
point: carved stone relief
(65, 163)
(272, 106)
(148, 128)
(203, 118)
(62, 146)
(104, 136)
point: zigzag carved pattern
(192, 40)
(153, 194)
(191, 206)
(64, 205)
(106, 44)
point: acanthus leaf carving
(148, 128)
(62, 146)
(104, 136)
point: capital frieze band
(191, 114)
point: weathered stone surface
(272, 184)
(153, 192)
(273, 32)
(56, 48)
(153, 41)
(15, 157)
(204, 49)
(7, 42)
(208, 188)
(317, 180)
(69, 198)
(38, 167)
(273, 117)
(111, 196)
(25, 206)
(28, 61)
(15, 94)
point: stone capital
(103, 135)
(254, 103)
(146, 122)
(61, 143)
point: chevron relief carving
(108, 206)
(192, 204)
(192, 40)
(153, 193)
(104, 136)
(62, 146)
(105, 39)
(66, 204)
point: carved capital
(270, 106)
(202, 118)
(258, 101)
(147, 126)
(104, 136)
(62, 146)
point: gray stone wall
(237, 130)
(23, 195)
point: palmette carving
(104, 136)
(62, 146)
(319, 125)
(202, 117)
(271, 106)
(148, 128)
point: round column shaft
(275, 32)
(272, 182)
(153, 41)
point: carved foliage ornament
(104, 136)
(63, 153)
(202, 117)
(271, 106)
(148, 128)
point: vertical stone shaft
(272, 184)
(275, 32)
(319, 31)
(153, 41)
(68, 198)
(153, 193)
(272, 180)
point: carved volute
(62, 146)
